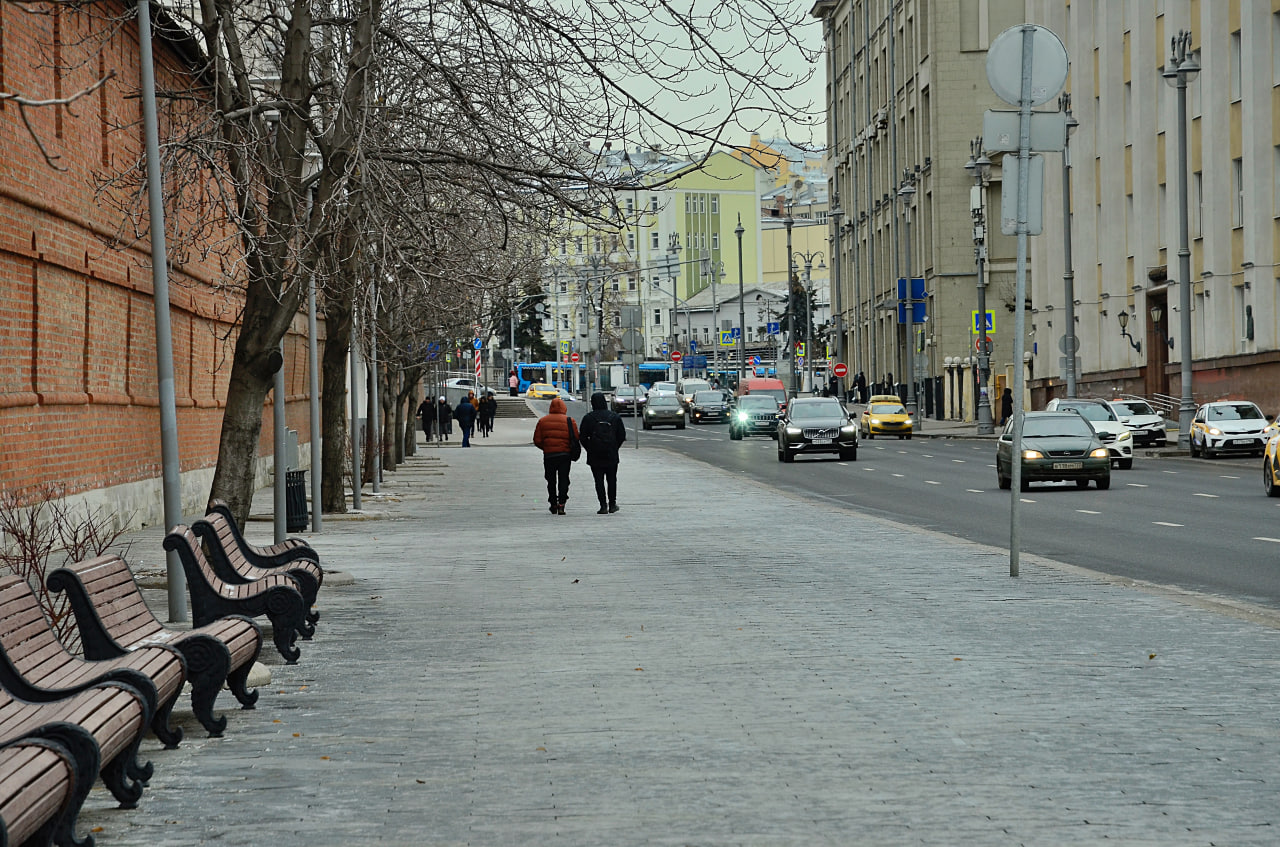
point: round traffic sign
(841, 370)
(676, 356)
(1048, 64)
(977, 345)
(573, 357)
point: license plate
(1067, 466)
(822, 440)
(1245, 442)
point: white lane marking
(865, 468)
(1172, 472)
(1225, 476)
(1026, 500)
(1198, 494)
(1166, 523)
(975, 491)
(1088, 512)
(899, 476)
(931, 482)
(926, 455)
(958, 461)
(1264, 538)
(1137, 485)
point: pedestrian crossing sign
(974, 329)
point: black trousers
(555, 468)
(606, 483)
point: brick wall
(78, 387)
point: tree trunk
(411, 425)
(333, 404)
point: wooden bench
(235, 561)
(115, 716)
(45, 777)
(272, 556)
(32, 659)
(114, 619)
(275, 596)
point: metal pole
(1068, 270)
(313, 382)
(356, 370)
(280, 509)
(375, 413)
(909, 360)
(808, 321)
(838, 318)
(169, 458)
(742, 311)
(791, 324)
(981, 167)
(1184, 67)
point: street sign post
(841, 370)
(575, 356)
(676, 355)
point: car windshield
(887, 409)
(1056, 426)
(664, 401)
(1235, 412)
(708, 397)
(813, 411)
(758, 401)
(1133, 407)
(1090, 411)
(663, 386)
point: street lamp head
(1123, 317)
(739, 229)
(1156, 314)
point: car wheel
(1005, 482)
(1082, 483)
(788, 456)
(1104, 482)
(1125, 464)
(648, 425)
(781, 454)
(1023, 484)
(900, 437)
(1268, 480)
(734, 435)
(849, 455)
(680, 425)
(870, 436)
(908, 436)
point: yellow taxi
(1271, 467)
(542, 391)
(885, 415)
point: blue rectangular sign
(918, 301)
(773, 327)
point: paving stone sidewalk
(747, 669)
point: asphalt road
(1201, 525)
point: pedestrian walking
(602, 434)
(1006, 406)
(426, 416)
(465, 415)
(444, 418)
(488, 411)
(513, 384)
(556, 435)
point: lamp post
(673, 265)
(906, 194)
(807, 258)
(1069, 342)
(789, 222)
(742, 310)
(1182, 68)
(838, 301)
(980, 166)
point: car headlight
(1124, 436)
(650, 412)
(794, 430)
(907, 422)
(849, 429)
(1213, 430)
(742, 417)
(1034, 454)
(875, 422)
(1100, 453)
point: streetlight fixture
(837, 257)
(1181, 69)
(906, 195)
(1069, 342)
(980, 166)
(789, 222)
(1123, 317)
(742, 310)
(1157, 313)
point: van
(764, 385)
(686, 388)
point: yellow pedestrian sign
(990, 321)
(726, 338)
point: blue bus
(570, 375)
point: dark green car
(1056, 447)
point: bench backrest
(108, 584)
(28, 641)
(183, 541)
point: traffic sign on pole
(676, 355)
(574, 356)
(841, 370)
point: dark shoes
(560, 509)
(613, 507)
(604, 510)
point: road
(1197, 524)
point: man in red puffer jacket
(555, 435)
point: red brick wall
(78, 388)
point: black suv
(816, 425)
(754, 414)
(708, 406)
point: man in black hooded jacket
(602, 433)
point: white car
(1147, 425)
(1115, 436)
(1230, 426)
(466, 383)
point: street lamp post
(907, 193)
(789, 222)
(838, 301)
(807, 258)
(1068, 271)
(742, 310)
(1182, 68)
(980, 166)
(673, 265)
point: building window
(655, 241)
(577, 244)
(631, 205)
(1197, 186)
(1128, 113)
(1275, 179)
(613, 283)
(715, 204)
(631, 282)
(564, 246)
(657, 317)
(1275, 48)
(599, 244)
(617, 321)
(688, 203)
(1235, 66)
(715, 241)
(653, 203)
(1237, 186)
(631, 241)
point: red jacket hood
(557, 407)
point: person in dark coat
(488, 411)
(1006, 405)
(602, 434)
(465, 415)
(554, 436)
(427, 416)
(444, 417)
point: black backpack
(603, 436)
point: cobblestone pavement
(749, 669)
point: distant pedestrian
(444, 418)
(1006, 406)
(427, 416)
(465, 415)
(488, 411)
(513, 384)
(555, 435)
(602, 434)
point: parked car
(816, 425)
(1056, 446)
(885, 418)
(664, 410)
(629, 399)
(542, 391)
(658, 389)
(1147, 425)
(565, 394)
(709, 406)
(1271, 467)
(1230, 426)
(755, 414)
(1115, 436)
(466, 383)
